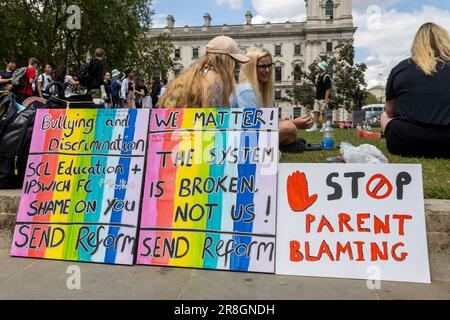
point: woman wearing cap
(116, 85)
(417, 118)
(256, 90)
(209, 82)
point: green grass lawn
(436, 172)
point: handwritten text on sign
(81, 195)
(351, 221)
(210, 193)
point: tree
(347, 76)
(39, 28)
(370, 98)
(303, 94)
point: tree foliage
(347, 76)
(370, 98)
(38, 28)
(303, 94)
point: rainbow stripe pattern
(82, 190)
(210, 190)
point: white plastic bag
(147, 102)
(365, 153)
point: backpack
(45, 85)
(83, 75)
(333, 86)
(115, 89)
(18, 79)
(16, 129)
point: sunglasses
(265, 66)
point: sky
(386, 28)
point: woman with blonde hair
(256, 82)
(257, 89)
(417, 118)
(210, 81)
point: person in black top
(141, 91)
(417, 118)
(156, 90)
(6, 75)
(108, 89)
(96, 83)
(323, 95)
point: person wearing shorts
(323, 95)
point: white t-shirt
(68, 85)
(45, 80)
(127, 90)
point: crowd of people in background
(416, 121)
(113, 89)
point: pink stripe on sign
(37, 144)
(152, 176)
(27, 198)
(144, 236)
(20, 237)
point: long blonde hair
(431, 46)
(249, 74)
(187, 91)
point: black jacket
(95, 74)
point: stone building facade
(294, 45)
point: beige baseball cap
(226, 45)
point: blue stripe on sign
(101, 134)
(120, 193)
(245, 170)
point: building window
(277, 94)
(297, 50)
(178, 53)
(194, 53)
(176, 72)
(329, 10)
(278, 74)
(329, 47)
(278, 50)
(297, 72)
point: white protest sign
(345, 221)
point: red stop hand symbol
(298, 193)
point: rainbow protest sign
(82, 190)
(210, 191)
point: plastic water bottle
(328, 137)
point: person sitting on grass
(256, 90)
(416, 122)
(209, 82)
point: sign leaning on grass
(352, 221)
(82, 189)
(210, 192)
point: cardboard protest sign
(210, 192)
(82, 190)
(352, 221)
